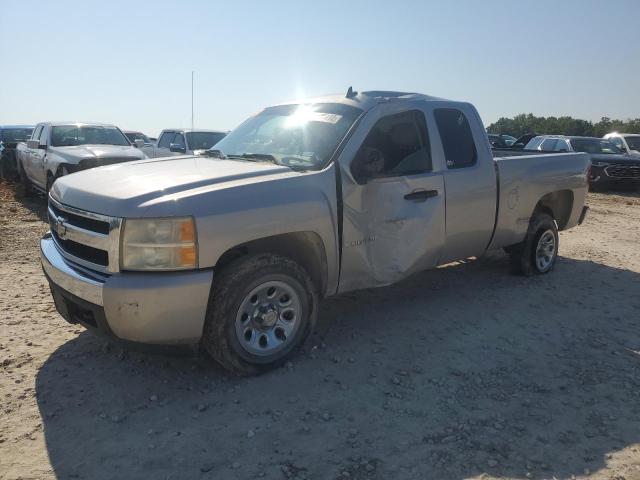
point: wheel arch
(558, 204)
(305, 248)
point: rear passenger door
(165, 140)
(469, 180)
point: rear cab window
(456, 137)
(549, 145)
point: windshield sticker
(332, 118)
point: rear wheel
(261, 309)
(537, 254)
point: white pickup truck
(234, 249)
(57, 149)
(173, 142)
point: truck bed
(526, 178)
(516, 152)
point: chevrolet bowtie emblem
(60, 227)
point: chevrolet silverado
(234, 249)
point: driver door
(393, 200)
(37, 159)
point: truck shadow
(453, 373)
(35, 203)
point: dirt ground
(461, 372)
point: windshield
(593, 145)
(203, 140)
(14, 135)
(633, 142)
(70, 135)
(298, 136)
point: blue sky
(130, 63)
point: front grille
(100, 162)
(78, 221)
(623, 171)
(87, 239)
(85, 252)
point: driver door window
(397, 145)
(548, 145)
(178, 140)
(165, 139)
(561, 146)
(617, 141)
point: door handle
(421, 195)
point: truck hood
(157, 187)
(77, 153)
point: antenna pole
(191, 99)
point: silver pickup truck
(234, 250)
(57, 149)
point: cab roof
(368, 99)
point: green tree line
(529, 123)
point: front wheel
(537, 254)
(261, 309)
(62, 171)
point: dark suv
(10, 135)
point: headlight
(159, 244)
(597, 163)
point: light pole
(191, 99)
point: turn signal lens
(187, 232)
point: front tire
(261, 309)
(62, 171)
(537, 254)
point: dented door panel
(386, 237)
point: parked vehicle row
(234, 249)
(10, 136)
(501, 141)
(609, 165)
(57, 149)
(53, 150)
(626, 142)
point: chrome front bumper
(158, 308)
(67, 277)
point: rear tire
(261, 309)
(537, 254)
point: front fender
(245, 213)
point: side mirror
(138, 142)
(34, 144)
(177, 148)
(622, 148)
